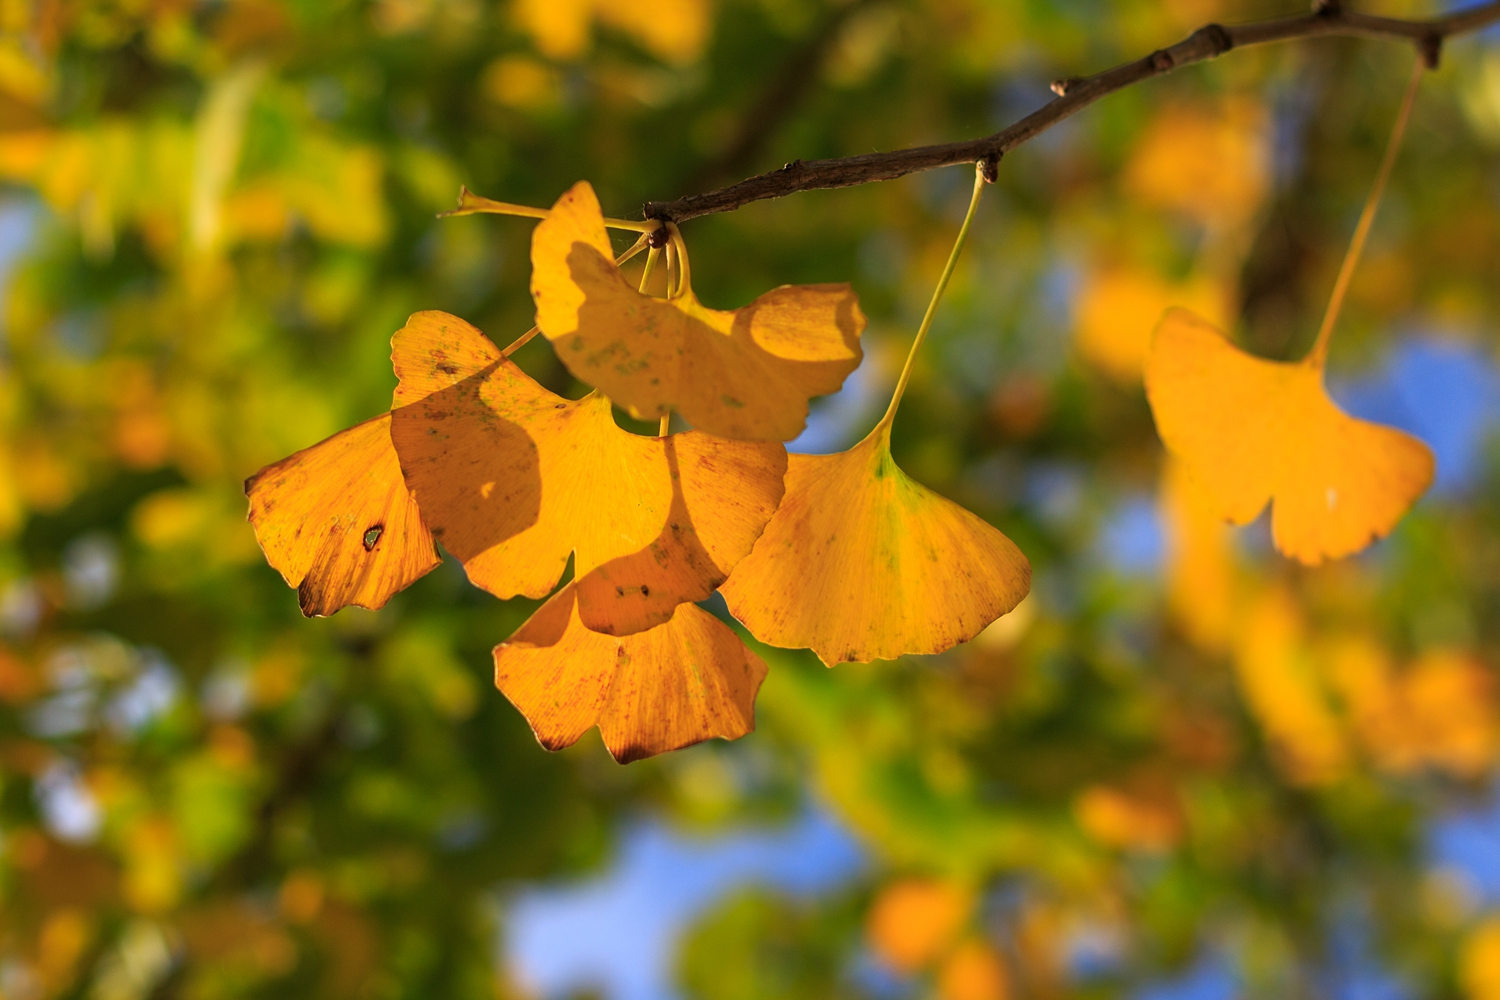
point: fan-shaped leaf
(513, 479)
(658, 690)
(746, 374)
(1254, 431)
(337, 522)
(862, 563)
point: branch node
(989, 167)
(1326, 8)
(1162, 61)
(1061, 87)
(1430, 48)
(1218, 37)
(795, 165)
(658, 238)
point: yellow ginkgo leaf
(861, 562)
(513, 479)
(1253, 431)
(746, 374)
(337, 522)
(666, 688)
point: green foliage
(757, 944)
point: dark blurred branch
(778, 101)
(1073, 96)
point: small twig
(1073, 96)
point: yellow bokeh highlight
(975, 971)
(520, 82)
(1281, 687)
(1120, 305)
(1120, 819)
(1479, 961)
(1439, 713)
(914, 921)
(1209, 162)
(1200, 563)
(672, 30)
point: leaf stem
(520, 342)
(937, 294)
(684, 273)
(470, 203)
(651, 259)
(1318, 356)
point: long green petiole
(470, 203)
(937, 295)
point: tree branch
(1074, 95)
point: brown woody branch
(1074, 95)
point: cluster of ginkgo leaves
(841, 553)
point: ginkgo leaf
(668, 687)
(337, 522)
(862, 563)
(746, 374)
(513, 479)
(1253, 431)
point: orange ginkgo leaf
(861, 562)
(1253, 431)
(746, 374)
(677, 684)
(337, 522)
(513, 479)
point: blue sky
(617, 931)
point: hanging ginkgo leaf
(861, 562)
(337, 522)
(513, 479)
(746, 374)
(680, 683)
(1253, 431)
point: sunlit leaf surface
(1253, 431)
(669, 687)
(745, 374)
(513, 479)
(861, 562)
(337, 522)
